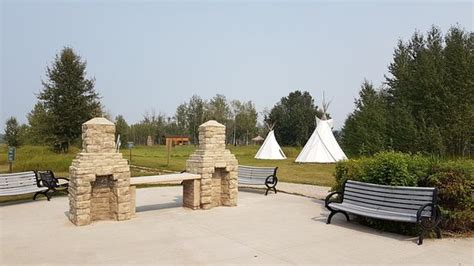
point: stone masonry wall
(212, 154)
(98, 159)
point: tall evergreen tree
(364, 131)
(431, 93)
(68, 97)
(123, 129)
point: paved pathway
(317, 192)
(276, 229)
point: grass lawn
(41, 158)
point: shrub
(453, 180)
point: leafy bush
(453, 180)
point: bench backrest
(18, 180)
(47, 178)
(389, 198)
(253, 172)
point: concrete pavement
(276, 229)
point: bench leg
(438, 232)
(421, 236)
(274, 189)
(333, 213)
(44, 193)
(266, 191)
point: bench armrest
(274, 181)
(328, 198)
(435, 213)
(62, 184)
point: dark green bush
(453, 180)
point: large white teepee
(270, 149)
(321, 147)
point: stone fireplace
(99, 186)
(217, 167)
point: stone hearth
(99, 186)
(217, 167)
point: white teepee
(321, 147)
(270, 149)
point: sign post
(11, 157)
(130, 146)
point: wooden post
(168, 148)
(10, 166)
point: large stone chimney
(217, 167)
(99, 185)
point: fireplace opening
(103, 198)
(218, 184)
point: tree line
(426, 103)
(240, 119)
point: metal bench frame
(48, 180)
(424, 221)
(269, 181)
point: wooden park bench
(252, 175)
(20, 183)
(416, 205)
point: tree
(68, 97)
(430, 93)
(294, 117)
(180, 118)
(40, 129)
(244, 124)
(122, 129)
(196, 112)
(12, 132)
(365, 130)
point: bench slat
(378, 214)
(387, 200)
(17, 174)
(394, 190)
(388, 187)
(389, 195)
(382, 204)
(9, 192)
(385, 208)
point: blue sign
(11, 154)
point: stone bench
(191, 187)
(393, 203)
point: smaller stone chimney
(99, 185)
(217, 167)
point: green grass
(42, 158)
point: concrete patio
(277, 229)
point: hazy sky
(155, 55)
